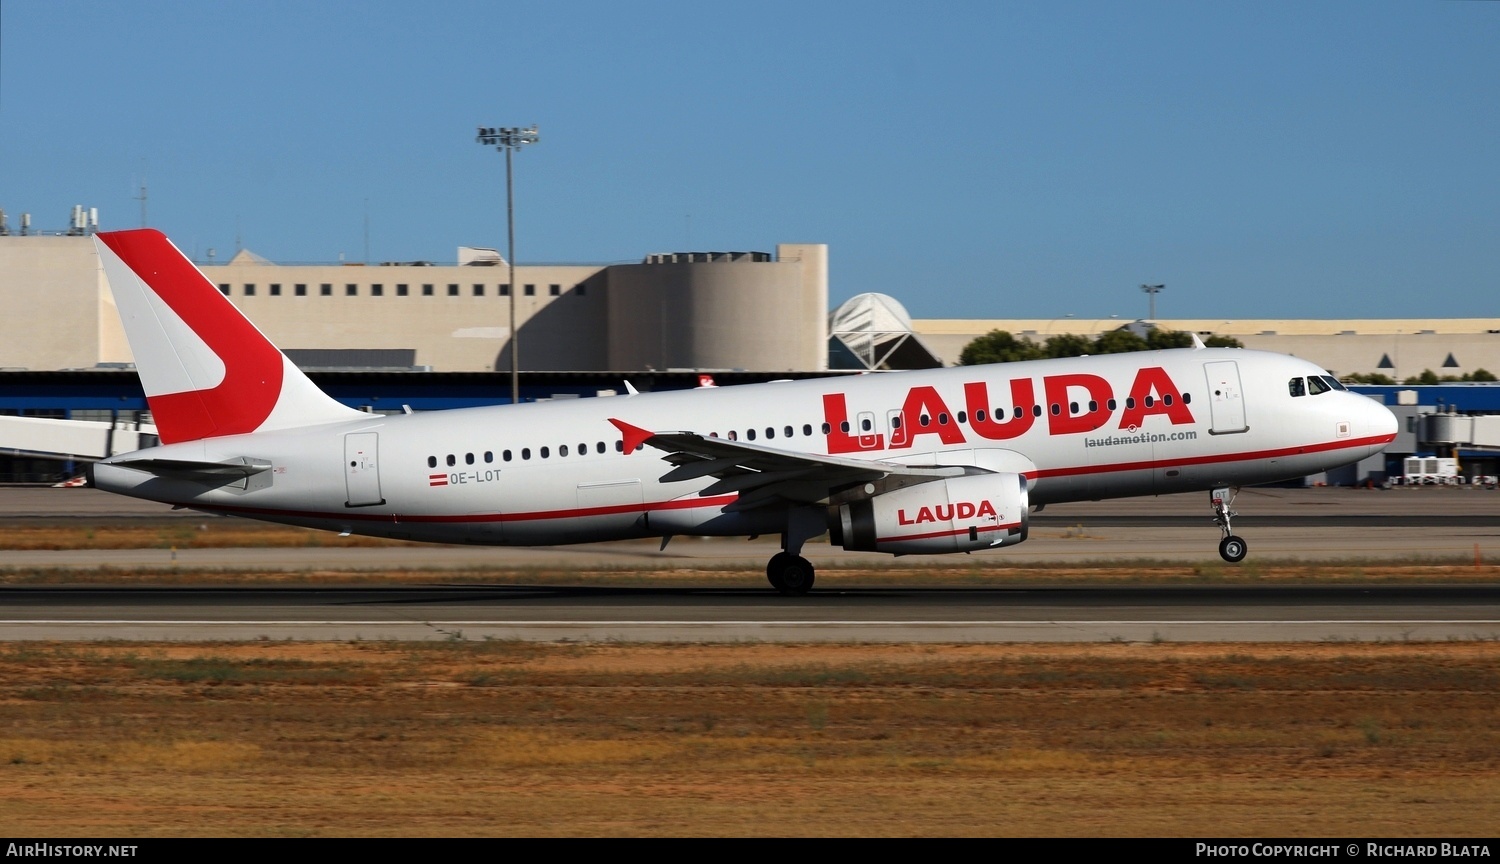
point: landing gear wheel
(1233, 549)
(792, 575)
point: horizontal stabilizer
(216, 473)
(86, 440)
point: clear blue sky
(986, 159)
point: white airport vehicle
(946, 460)
(1430, 471)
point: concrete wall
(751, 313)
(54, 303)
(463, 331)
(56, 313)
(814, 260)
(726, 314)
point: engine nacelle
(959, 514)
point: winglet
(635, 436)
(1197, 343)
(630, 389)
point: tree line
(999, 346)
(1427, 377)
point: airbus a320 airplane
(947, 460)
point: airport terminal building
(745, 311)
(752, 311)
(362, 329)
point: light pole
(1152, 291)
(510, 139)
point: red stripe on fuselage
(1211, 459)
(252, 365)
(541, 515)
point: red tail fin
(207, 371)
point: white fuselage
(553, 472)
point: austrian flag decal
(437, 479)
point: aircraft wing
(764, 475)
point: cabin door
(362, 469)
(1226, 403)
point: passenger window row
(771, 433)
(452, 460)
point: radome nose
(1380, 423)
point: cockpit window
(1334, 382)
(1317, 384)
(1296, 387)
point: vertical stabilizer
(207, 371)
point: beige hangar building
(751, 311)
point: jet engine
(958, 514)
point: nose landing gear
(1232, 549)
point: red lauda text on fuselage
(925, 413)
(947, 512)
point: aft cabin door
(1226, 403)
(362, 469)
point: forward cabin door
(1226, 403)
(362, 469)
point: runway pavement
(542, 613)
(1316, 524)
(1279, 524)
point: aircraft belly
(607, 510)
(713, 521)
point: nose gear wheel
(1232, 549)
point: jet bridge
(84, 439)
(1463, 431)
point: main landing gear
(792, 575)
(789, 572)
(1232, 549)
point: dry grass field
(179, 533)
(525, 739)
(461, 739)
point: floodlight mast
(1152, 291)
(510, 139)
